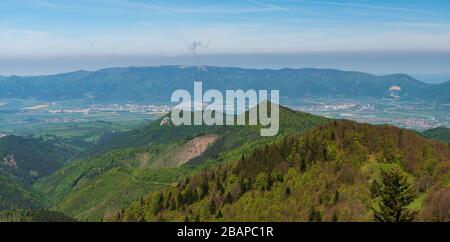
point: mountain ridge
(156, 83)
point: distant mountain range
(156, 84)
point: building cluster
(130, 108)
(421, 124)
(336, 107)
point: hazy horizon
(370, 62)
(40, 37)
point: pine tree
(262, 182)
(219, 214)
(375, 189)
(228, 198)
(212, 207)
(287, 192)
(302, 165)
(314, 215)
(335, 217)
(396, 194)
(336, 197)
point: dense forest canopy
(324, 175)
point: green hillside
(30, 159)
(441, 133)
(23, 160)
(90, 188)
(104, 181)
(330, 174)
(14, 194)
(34, 216)
(107, 193)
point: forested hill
(155, 133)
(23, 161)
(29, 159)
(338, 172)
(15, 194)
(441, 133)
(151, 158)
(34, 216)
(156, 84)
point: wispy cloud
(269, 5)
(354, 5)
(161, 8)
(204, 9)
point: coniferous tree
(335, 217)
(287, 192)
(396, 194)
(314, 215)
(228, 198)
(219, 214)
(302, 165)
(262, 182)
(375, 189)
(336, 197)
(212, 207)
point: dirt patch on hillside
(179, 155)
(143, 159)
(194, 148)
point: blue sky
(132, 32)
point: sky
(378, 36)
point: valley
(419, 116)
